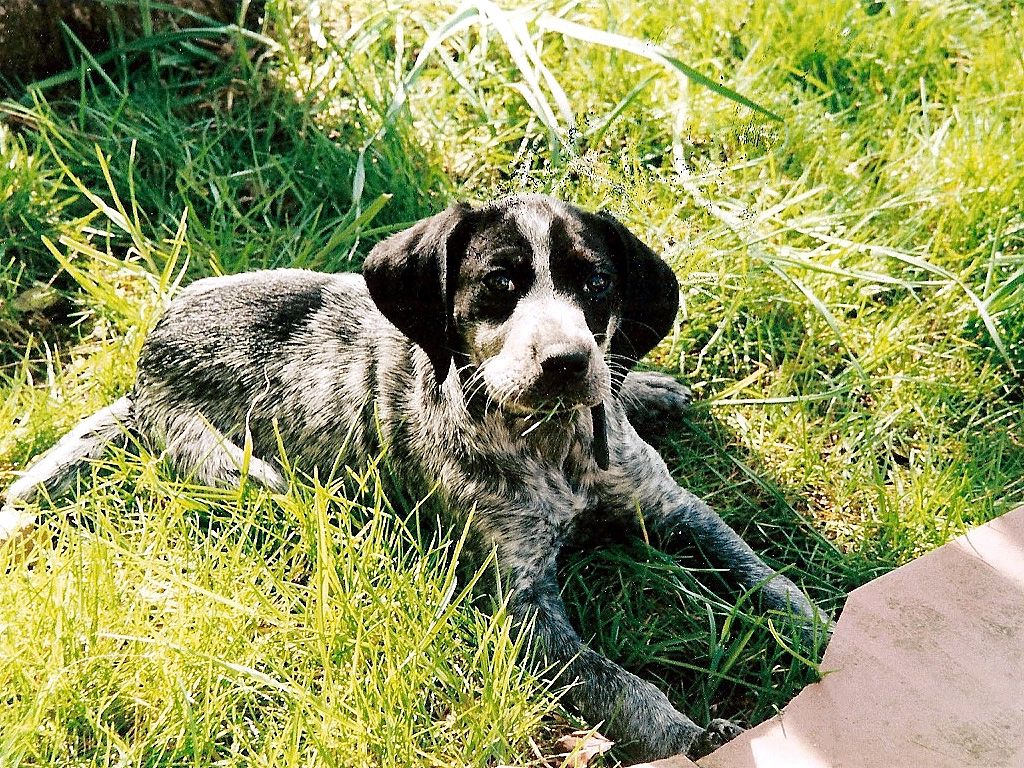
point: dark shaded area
(1011, 332)
(671, 618)
(263, 184)
(39, 38)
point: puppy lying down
(489, 349)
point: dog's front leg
(632, 712)
(682, 514)
(641, 480)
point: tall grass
(175, 625)
(851, 324)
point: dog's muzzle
(563, 372)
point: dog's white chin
(544, 409)
(526, 406)
(521, 395)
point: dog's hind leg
(53, 473)
(198, 451)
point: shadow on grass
(262, 183)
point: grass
(195, 625)
(851, 324)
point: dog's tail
(56, 471)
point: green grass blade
(822, 309)
(648, 51)
(980, 306)
(523, 53)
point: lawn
(841, 196)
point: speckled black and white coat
(483, 348)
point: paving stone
(925, 668)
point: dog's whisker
(532, 427)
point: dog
(490, 351)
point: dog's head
(548, 304)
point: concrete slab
(925, 668)
(679, 761)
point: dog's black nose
(565, 366)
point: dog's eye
(500, 281)
(597, 283)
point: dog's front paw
(651, 400)
(656, 391)
(711, 738)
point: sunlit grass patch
(169, 623)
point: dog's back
(286, 357)
(244, 360)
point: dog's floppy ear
(650, 298)
(411, 278)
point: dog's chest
(548, 468)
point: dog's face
(544, 305)
(534, 308)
